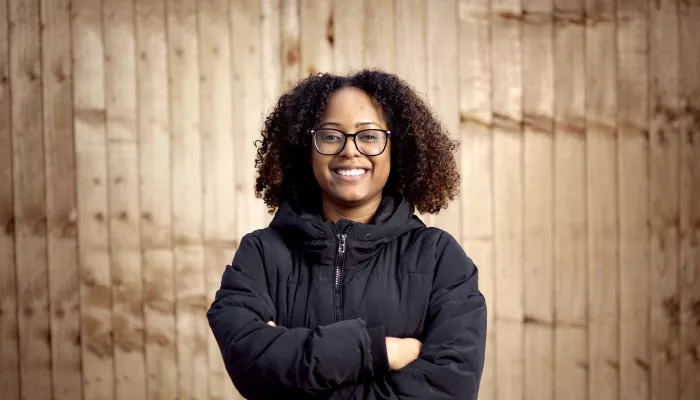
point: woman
(347, 294)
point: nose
(350, 149)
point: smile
(350, 172)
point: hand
(402, 352)
(271, 323)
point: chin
(351, 199)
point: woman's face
(350, 178)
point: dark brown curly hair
(423, 166)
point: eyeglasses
(370, 142)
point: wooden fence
(126, 164)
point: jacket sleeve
(452, 357)
(265, 361)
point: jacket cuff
(380, 360)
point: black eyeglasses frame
(350, 135)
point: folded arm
(265, 361)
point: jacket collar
(394, 217)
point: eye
(329, 136)
(370, 136)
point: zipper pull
(341, 243)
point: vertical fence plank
(379, 30)
(29, 199)
(633, 201)
(443, 94)
(190, 296)
(218, 169)
(9, 352)
(689, 279)
(477, 168)
(411, 49)
(270, 60)
(348, 35)
(602, 184)
(317, 36)
(155, 200)
(664, 164)
(508, 195)
(247, 110)
(290, 51)
(60, 200)
(123, 192)
(91, 181)
(570, 239)
(538, 200)
(270, 72)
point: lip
(349, 178)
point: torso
(390, 287)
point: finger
(271, 323)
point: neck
(362, 213)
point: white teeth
(350, 172)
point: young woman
(347, 294)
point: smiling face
(351, 179)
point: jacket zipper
(339, 261)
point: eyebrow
(358, 125)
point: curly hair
(423, 166)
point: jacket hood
(395, 216)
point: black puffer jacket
(336, 291)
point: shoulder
(438, 241)
(269, 243)
(264, 238)
(450, 254)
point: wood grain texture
(186, 200)
(270, 56)
(317, 36)
(251, 213)
(61, 216)
(506, 64)
(218, 168)
(91, 180)
(270, 74)
(348, 20)
(9, 352)
(130, 179)
(601, 162)
(570, 239)
(633, 200)
(290, 50)
(689, 278)
(538, 198)
(477, 164)
(411, 47)
(442, 63)
(411, 52)
(29, 199)
(379, 35)
(123, 192)
(154, 200)
(664, 91)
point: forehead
(351, 104)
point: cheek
(319, 164)
(383, 167)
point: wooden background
(126, 165)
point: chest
(390, 287)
